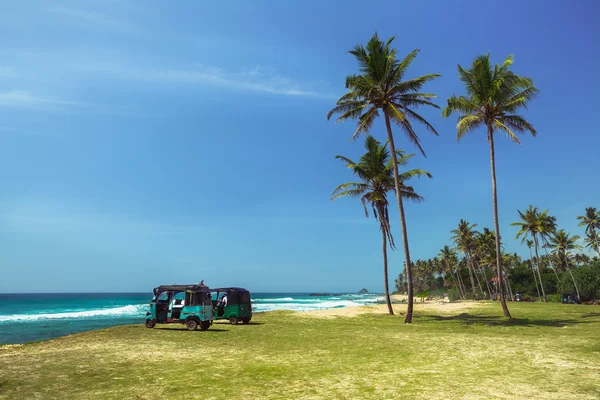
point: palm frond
(500, 126)
(404, 64)
(460, 104)
(412, 85)
(365, 122)
(351, 164)
(414, 173)
(466, 124)
(518, 123)
(400, 119)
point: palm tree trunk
(463, 289)
(496, 225)
(409, 277)
(550, 261)
(487, 283)
(470, 267)
(478, 281)
(572, 277)
(456, 284)
(385, 272)
(507, 280)
(533, 271)
(537, 257)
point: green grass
(549, 351)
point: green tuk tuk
(232, 303)
(185, 304)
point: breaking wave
(133, 311)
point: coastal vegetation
(547, 351)
(466, 270)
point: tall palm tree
(531, 225)
(494, 95)
(592, 240)
(464, 236)
(375, 171)
(591, 221)
(529, 244)
(379, 86)
(547, 229)
(562, 244)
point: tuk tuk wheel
(233, 320)
(192, 325)
(204, 325)
(150, 323)
(246, 320)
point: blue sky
(144, 143)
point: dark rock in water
(363, 291)
(320, 294)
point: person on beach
(221, 303)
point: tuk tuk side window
(245, 297)
(163, 298)
(179, 298)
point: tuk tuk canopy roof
(230, 289)
(181, 288)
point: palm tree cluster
(494, 95)
(468, 267)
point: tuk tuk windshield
(163, 297)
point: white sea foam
(138, 310)
(275, 300)
(286, 300)
(305, 306)
(370, 300)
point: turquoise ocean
(33, 317)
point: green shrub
(453, 295)
(554, 298)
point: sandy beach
(398, 304)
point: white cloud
(25, 99)
(40, 218)
(257, 78)
(94, 19)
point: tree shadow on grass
(179, 329)
(225, 322)
(493, 320)
(591, 315)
